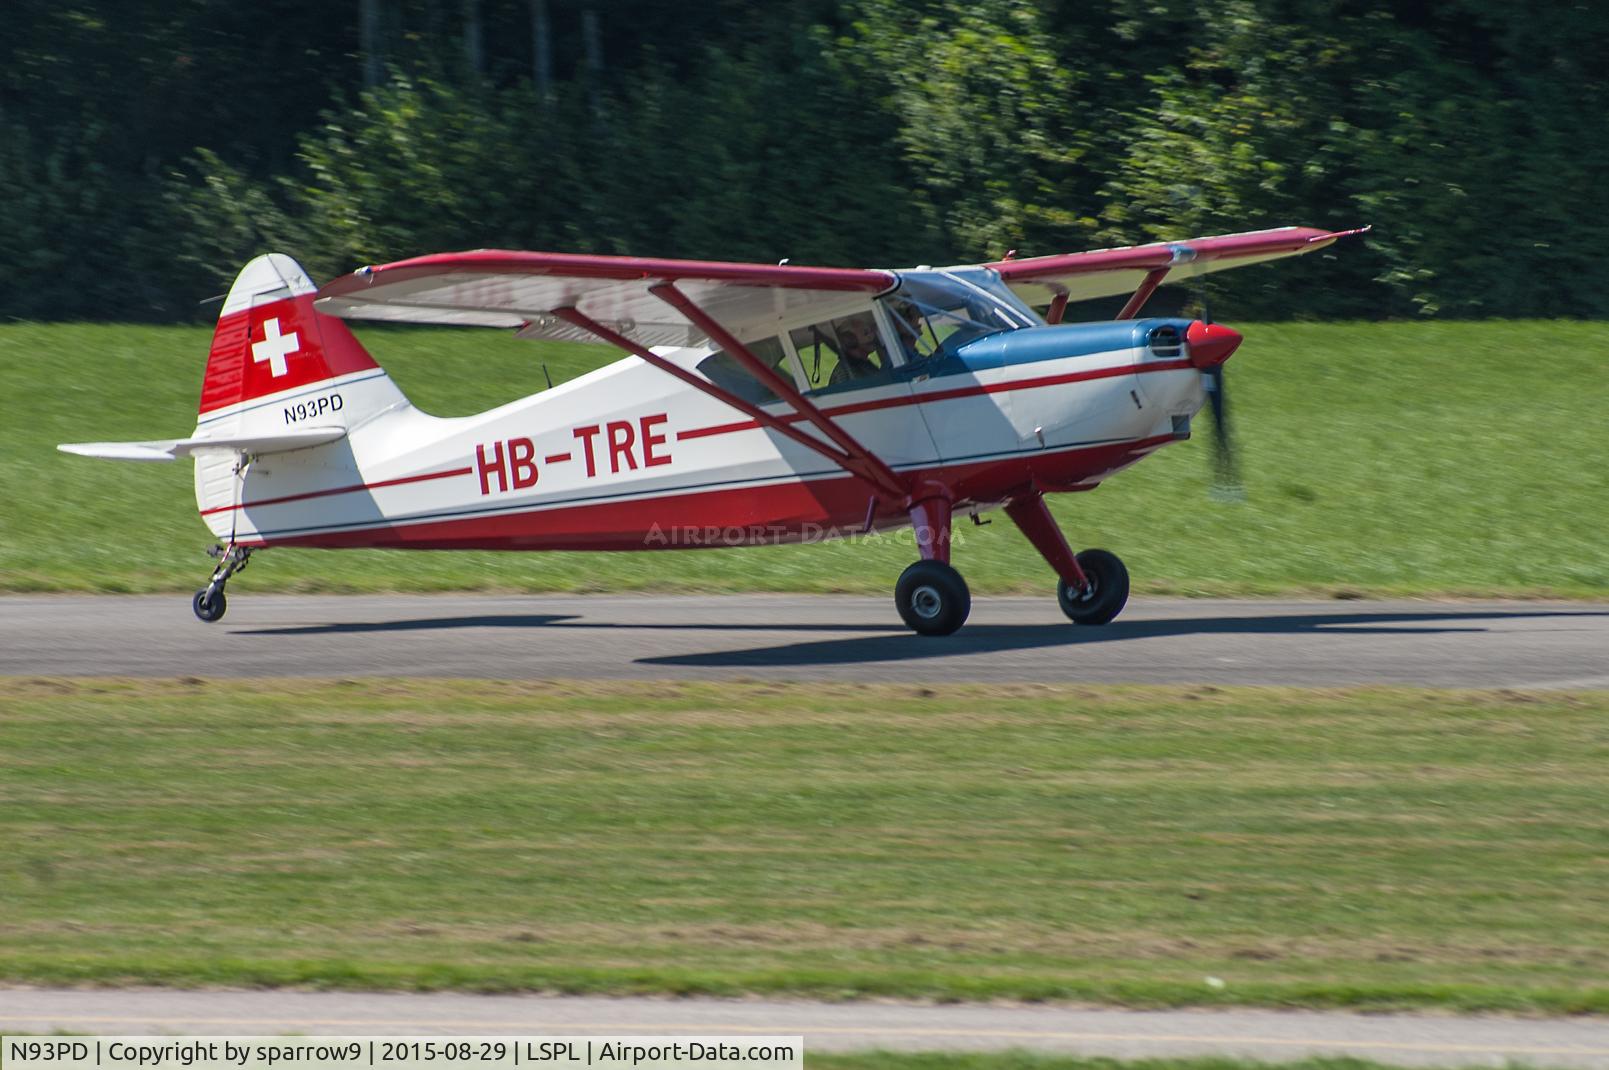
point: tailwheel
(209, 604)
(932, 598)
(1103, 597)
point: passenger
(857, 343)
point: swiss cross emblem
(275, 347)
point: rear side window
(723, 369)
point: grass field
(1463, 459)
(1127, 845)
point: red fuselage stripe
(721, 429)
(353, 489)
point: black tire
(1108, 593)
(932, 598)
(209, 609)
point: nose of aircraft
(1211, 343)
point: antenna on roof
(546, 376)
(214, 299)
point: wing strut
(1147, 287)
(1058, 306)
(857, 459)
(754, 412)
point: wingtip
(1337, 234)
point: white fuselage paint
(910, 426)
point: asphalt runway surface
(811, 637)
(1406, 1040)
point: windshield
(935, 313)
(996, 287)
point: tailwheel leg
(932, 598)
(1093, 586)
(209, 603)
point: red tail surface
(270, 340)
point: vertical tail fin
(278, 364)
(271, 346)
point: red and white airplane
(760, 404)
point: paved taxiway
(1407, 1040)
(830, 637)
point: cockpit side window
(723, 369)
(916, 333)
(842, 351)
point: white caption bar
(401, 1053)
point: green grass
(1448, 459)
(1388, 848)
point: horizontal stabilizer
(174, 448)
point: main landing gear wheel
(209, 604)
(1106, 595)
(932, 598)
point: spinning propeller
(1210, 344)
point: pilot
(857, 345)
(909, 324)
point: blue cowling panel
(1026, 345)
(1056, 342)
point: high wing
(633, 303)
(1055, 280)
(498, 288)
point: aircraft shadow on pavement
(431, 624)
(891, 642)
(992, 638)
(539, 620)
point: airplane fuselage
(627, 458)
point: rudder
(277, 364)
(271, 344)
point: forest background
(148, 148)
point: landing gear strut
(932, 598)
(209, 603)
(1094, 584)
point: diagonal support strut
(765, 419)
(856, 459)
(1058, 306)
(1147, 287)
